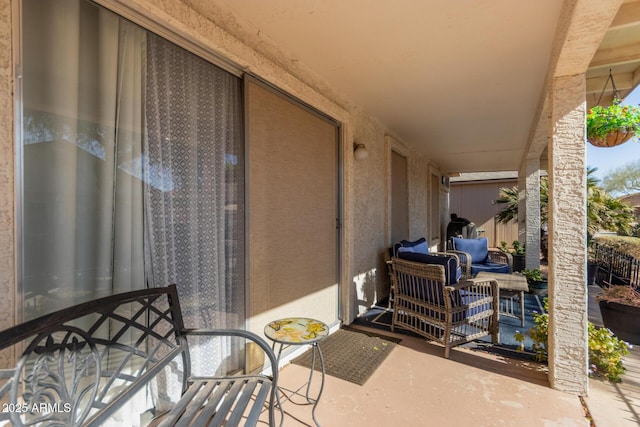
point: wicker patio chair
(395, 251)
(451, 315)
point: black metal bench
(81, 365)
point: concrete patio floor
(417, 386)
(614, 405)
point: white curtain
(194, 193)
(82, 229)
(133, 172)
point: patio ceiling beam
(622, 80)
(616, 55)
(625, 83)
(582, 27)
(539, 137)
(628, 16)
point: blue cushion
(477, 248)
(493, 267)
(467, 299)
(452, 271)
(419, 246)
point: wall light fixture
(360, 151)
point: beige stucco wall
(418, 197)
(365, 215)
(363, 275)
(7, 251)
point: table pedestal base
(310, 401)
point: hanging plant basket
(612, 125)
(611, 139)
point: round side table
(300, 331)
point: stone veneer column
(522, 205)
(532, 206)
(568, 350)
(7, 144)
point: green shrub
(606, 351)
(625, 244)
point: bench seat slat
(204, 393)
(180, 406)
(260, 399)
(220, 401)
(176, 415)
(208, 411)
(226, 404)
(242, 401)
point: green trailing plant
(606, 351)
(602, 121)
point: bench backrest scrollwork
(77, 366)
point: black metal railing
(615, 268)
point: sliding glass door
(82, 136)
(132, 164)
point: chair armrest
(465, 267)
(242, 334)
(478, 292)
(452, 254)
(390, 270)
(464, 261)
(501, 257)
(487, 286)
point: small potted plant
(620, 309)
(536, 281)
(534, 276)
(517, 251)
(612, 125)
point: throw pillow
(451, 270)
(419, 246)
(477, 248)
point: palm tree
(509, 197)
(607, 212)
(603, 210)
